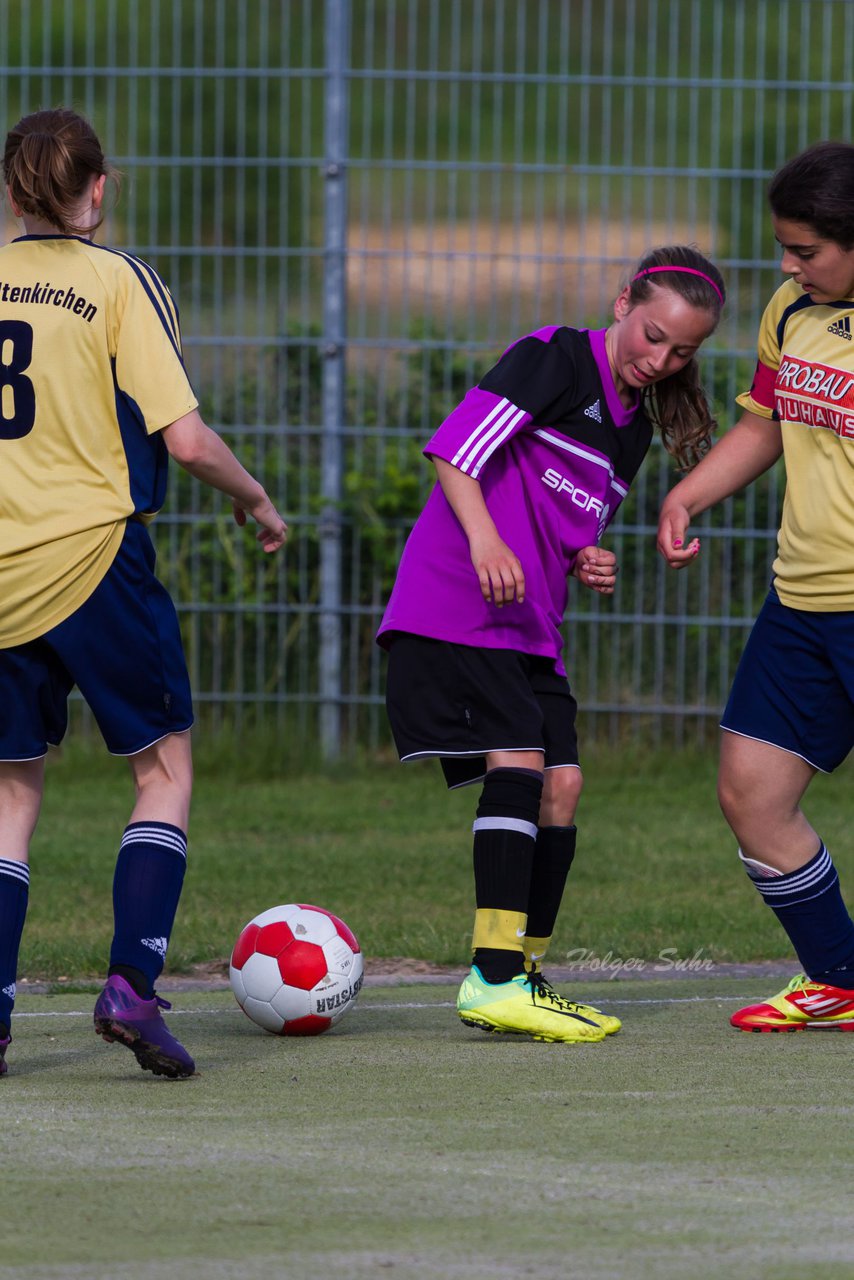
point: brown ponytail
(49, 158)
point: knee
(510, 793)
(734, 791)
(21, 785)
(561, 793)
(165, 767)
(727, 797)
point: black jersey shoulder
(537, 370)
(553, 375)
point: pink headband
(691, 271)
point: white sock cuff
(758, 870)
(506, 824)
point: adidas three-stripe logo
(819, 1002)
(841, 328)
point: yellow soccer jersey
(805, 380)
(90, 372)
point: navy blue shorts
(794, 687)
(458, 702)
(122, 648)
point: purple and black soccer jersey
(554, 450)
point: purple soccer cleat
(4, 1045)
(120, 1014)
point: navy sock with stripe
(808, 903)
(147, 885)
(14, 895)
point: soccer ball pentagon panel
(296, 970)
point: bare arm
(498, 569)
(752, 446)
(207, 457)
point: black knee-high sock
(553, 855)
(504, 833)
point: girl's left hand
(272, 530)
(596, 568)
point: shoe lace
(543, 988)
(540, 986)
(798, 983)
(161, 1003)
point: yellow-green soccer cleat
(803, 1005)
(523, 1007)
(606, 1021)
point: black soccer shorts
(458, 702)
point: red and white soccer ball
(296, 970)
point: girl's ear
(621, 305)
(98, 191)
(16, 209)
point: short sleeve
(760, 398)
(528, 382)
(149, 361)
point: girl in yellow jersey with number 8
(94, 400)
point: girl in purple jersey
(532, 467)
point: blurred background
(358, 206)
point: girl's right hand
(672, 530)
(499, 571)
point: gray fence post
(332, 405)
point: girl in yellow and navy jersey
(790, 713)
(94, 401)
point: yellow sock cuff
(499, 930)
(535, 949)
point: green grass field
(389, 850)
(404, 1144)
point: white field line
(379, 1008)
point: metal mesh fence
(357, 207)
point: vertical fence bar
(336, 40)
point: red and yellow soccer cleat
(803, 1005)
